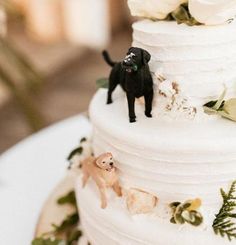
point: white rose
(157, 9)
(212, 12)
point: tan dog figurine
(103, 172)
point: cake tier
(173, 161)
(200, 59)
(115, 226)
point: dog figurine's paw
(148, 114)
(109, 101)
(132, 119)
(103, 204)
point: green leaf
(196, 219)
(210, 104)
(68, 223)
(69, 198)
(186, 205)
(102, 83)
(230, 107)
(48, 241)
(226, 115)
(67, 229)
(74, 236)
(220, 100)
(78, 150)
(83, 140)
(182, 15)
(172, 220)
(226, 109)
(187, 216)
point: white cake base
(115, 226)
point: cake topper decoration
(134, 77)
(103, 172)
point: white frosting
(172, 161)
(201, 59)
(175, 161)
(212, 12)
(115, 226)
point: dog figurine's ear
(130, 49)
(145, 56)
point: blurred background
(50, 59)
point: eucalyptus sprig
(66, 233)
(225, 221)
(222, 107)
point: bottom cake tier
(115, 225)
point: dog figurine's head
(105, 162)
(135, 59)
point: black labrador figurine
(134, 76)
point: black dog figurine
(134, 76)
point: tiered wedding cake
(172, 166)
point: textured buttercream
(201, 59)
(115, 226)
(171, 158)
(175, 162)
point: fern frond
(224, 223)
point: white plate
(28, 173)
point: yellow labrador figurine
(103, 172)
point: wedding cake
(177, 170)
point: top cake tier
(199, 59)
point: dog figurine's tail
(107, 58)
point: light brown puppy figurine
(103, 172)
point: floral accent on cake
(186, 212)
(80, 153)
(140, 202)
(190, 12)
(103, 172)
(222, 107)
(225, 221)
(171, 100)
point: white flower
(212, 12)
(157, 9)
